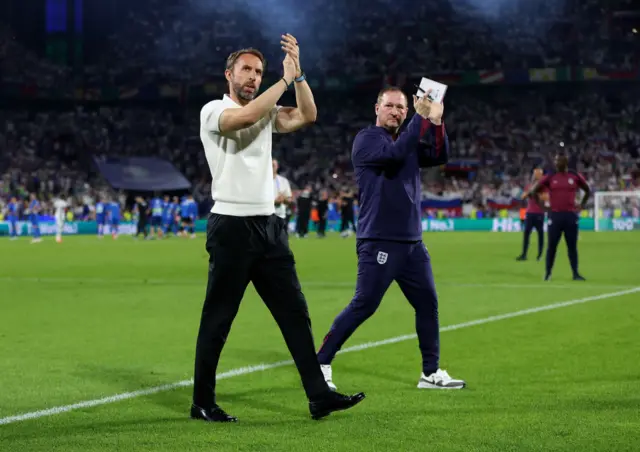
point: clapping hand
(290, 46)
(289, 68)
(428, 109)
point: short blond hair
(391, 89)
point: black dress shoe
(215, 414)
(521, 258)
(578, 277)
(333, 401)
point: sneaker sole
(425, 385)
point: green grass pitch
(89, 319)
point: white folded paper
(438, 89)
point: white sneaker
(326, 371)
(440, 379)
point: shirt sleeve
(274, 116)
(287, 188)
(433, 149)
(210, 115)
(371, 149)
(582, 182)
(545, 181)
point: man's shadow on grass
(178, 398)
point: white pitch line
(262, 367)
(328, 284)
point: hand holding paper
(422, 106)
(428, 108)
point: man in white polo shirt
(60, 206)
(282, 193)
(246, 241)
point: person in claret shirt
(534, 218)
(563, 186)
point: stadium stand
(517, 95)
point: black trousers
(302, 223)
(287, 220)
(563, 223)
(347, 220)
(322, 224)
(243, 250)
(142, 226)
(531, 222)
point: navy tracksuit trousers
(380, 262)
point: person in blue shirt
(189, 212)
(389, 234)
(101, 216)
(114, 217)
(167, 215)
(176, 215)
(12, 217)
(34, 217)
(157, 211)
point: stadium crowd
(190, 39)
(496, 145)
(497, 133)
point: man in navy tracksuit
(389, 235)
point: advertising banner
(428, 225)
